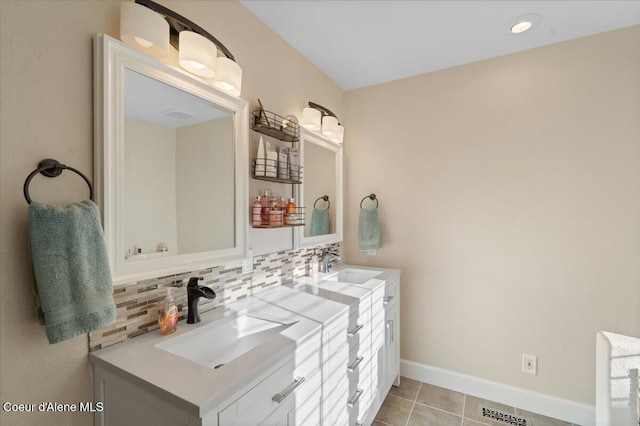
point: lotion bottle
(256, 212)
(168, 320)
(314, 266)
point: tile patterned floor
(420, 404)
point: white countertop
(194, 387)
(308, 305)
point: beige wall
(150, 189)
(46, 105)
(510, 198)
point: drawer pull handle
(279, 397)
(354, 331)
(353, 401)
(386, 300)
(351, 368)
(358, 424)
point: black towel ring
(53, 168)
(372, 197)
(325, 198)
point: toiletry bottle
(168, 320)
(265, 200)
(290, 212)
(275, 214)
(314, 265)
(256, 212)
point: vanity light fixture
(316, 114)
(197, 49)
(144, 30)
(197, 54)
(311, 118)
(229, 76)
(524, 23)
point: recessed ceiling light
(524, 23)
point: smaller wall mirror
(171, 169)
(321, 190)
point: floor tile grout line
(414, 404)
(464, 405)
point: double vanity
(310, 352)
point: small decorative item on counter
(168, 320)
(290, 212)
(163, 248)
(256, 212)
(314, 266)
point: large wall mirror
(170, 167)
(321, 190)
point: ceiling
(359, 43)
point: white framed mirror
(170, 166)
(322, 162)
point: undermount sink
(353, 275)
(220, 342)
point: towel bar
(52, 168)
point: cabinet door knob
(386, 300)
(279, 397)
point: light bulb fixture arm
(324, 111)
(179, 23)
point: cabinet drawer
(258, 403)
(359, 376)
(308, 358)
(360, 345)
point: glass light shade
(311, 118)
(197, 54)
(340, 136)
(228, 76)
(330, 126)
(144, 30)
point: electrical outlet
(247, 264)
(530, 364)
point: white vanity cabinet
(392, 332)
(359, 369)
(272, 371)
(303, 301)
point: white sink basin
(221, 342)
(353, 275)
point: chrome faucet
(326, 255)
(194, 293)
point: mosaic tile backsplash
(138, 303)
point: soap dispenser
(314, 266)
(168, 320)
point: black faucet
(194, 293)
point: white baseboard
(563, 409)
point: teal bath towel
(319, 222)
(71, 269)
(368, 230)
